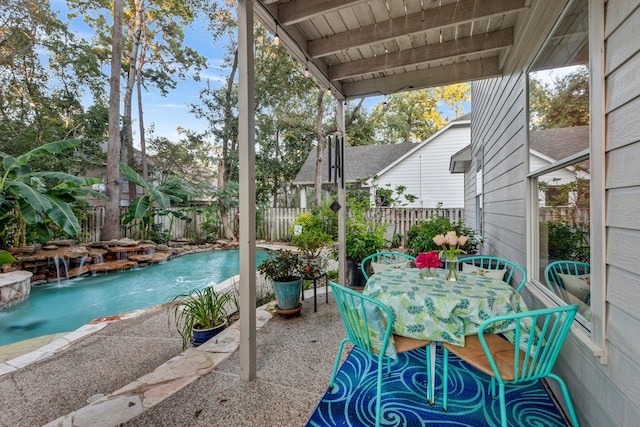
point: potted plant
(284, 268)
(362, 239)
(200, 314)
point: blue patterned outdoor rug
(352, 401)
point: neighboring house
(550, 145)
(424, 170)
(360, 164)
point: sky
(167, 113)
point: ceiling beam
(439, 17)
(436, 76)
(486, 42)
(302, 10)
(294, 41)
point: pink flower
(439, 240)
(450, 244)
(452, 238)
(428, 260)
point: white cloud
(169, 105)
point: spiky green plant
(201, 309)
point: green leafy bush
(420, 236)
(570, 242)
(282, 266)
(309, 234)
(363, 240)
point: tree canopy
(562, 102)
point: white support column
(247, 161)
(342, 199)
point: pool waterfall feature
(61, 260)
(65, 306)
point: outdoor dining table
(441, 310)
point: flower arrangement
(426, 261)
(451, 247)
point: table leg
(315, 295)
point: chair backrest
(381, 260)
(514, 274)
(368, 322)
(554, 269)
(539, 336)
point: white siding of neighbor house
(603, 394)
(425, 171)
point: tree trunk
(127, 132)
(143, 145)
(224, 165)
(317, 185)
(111, 228)
(228, 120)
(227, 228)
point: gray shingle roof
(560, 143)
(361, 162)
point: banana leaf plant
(157, 199)
(6, 258)
(29, 197)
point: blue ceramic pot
(201, 336)
(287, 293)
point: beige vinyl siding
(622, 68)
(502, 129)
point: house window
(559, 168)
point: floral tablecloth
(441, 310)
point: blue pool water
(63, 307)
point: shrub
(420, 236)
(568, 241)
(311, 237)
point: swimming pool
(63, 307)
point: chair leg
(493, 388)
(379, 394)
(503, 406)
(567, 399)
(430, 391)
(445, 377)
(336, 364)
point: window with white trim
(559, 168)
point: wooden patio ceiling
(376, 47)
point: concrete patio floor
(146, 379)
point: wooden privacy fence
(274, 224)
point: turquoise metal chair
(552, 271)
(368, 324)
(514, 274)
(384, 260)
(538, 350)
